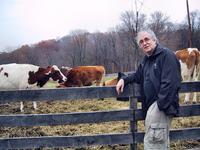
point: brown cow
(84, 76)
(190, 67)
(114, 81)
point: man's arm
(134, 77)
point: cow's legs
(187, 97)
(194, 100)
(195, 77)
(34, 105)
(98, 83)
(188, 78)
(21, 107)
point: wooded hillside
(116, 49)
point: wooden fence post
(133, 124)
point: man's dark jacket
(160, 78)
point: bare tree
(164, 29)
(131, 23)
(195, 28)
(159, 23)
(182, 30)
(79, 44)
(98, 40)
(113, 61)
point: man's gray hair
(150, 32)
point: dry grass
(81, 129)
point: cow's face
(56, 74)
(43, 75)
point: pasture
(82, 129)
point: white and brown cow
(84, 76)
(190, 67)
(27, 76)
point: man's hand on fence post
(120, 86)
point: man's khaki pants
(157, 126)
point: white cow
(190, 67)
(27, 76)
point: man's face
(146, 43)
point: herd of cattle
(27, 76)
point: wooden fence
(132, 114)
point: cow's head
(43, 75)
(55, 73)
(65, 70)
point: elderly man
(159, 76)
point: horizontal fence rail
(132, 115)
(65, 141)
(190, 87)
(83, 93)
(65, 118)
(84, 117)
(183, 134)
(74, 93)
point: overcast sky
(30, 21)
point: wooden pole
(133, 123)
(189, 28)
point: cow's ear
(41, 69)
(31, 73)
(47, 71)
(49, 67)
